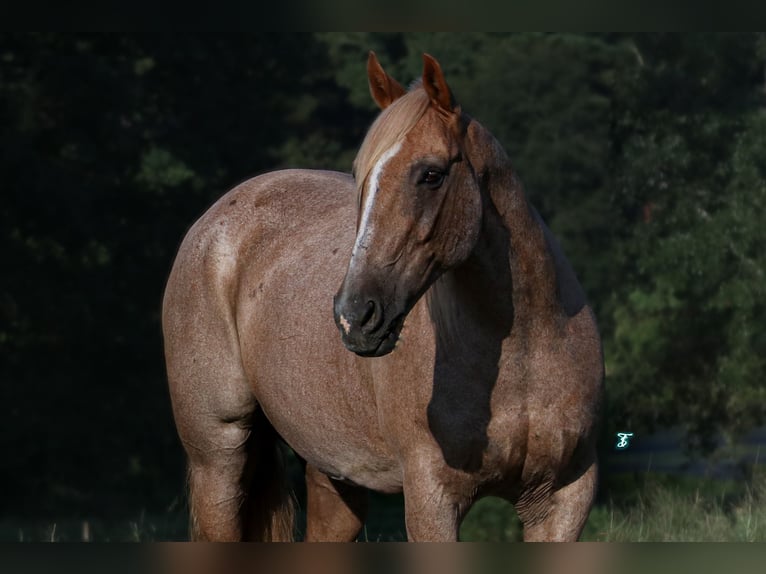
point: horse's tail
(270, 503)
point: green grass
(661, 508)
(644, 507)
(141, 528)
(491, 520)
(665, 513)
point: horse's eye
(433, 178)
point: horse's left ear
(383, 88)
(436, 86)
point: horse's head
(419, 207)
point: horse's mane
(390, 127)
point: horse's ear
(384, 88)
(436, 86)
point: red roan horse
(491, 387)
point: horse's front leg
(434, 503)
(336, 511)
(561, 516)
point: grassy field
(669, 514)
(643, 507)
(660, 508)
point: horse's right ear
(436, 86)
(384, 88)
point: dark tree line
(645, 153)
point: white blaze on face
(372, 190)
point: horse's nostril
(369, 313)
(372, 318)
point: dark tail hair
(271, 502)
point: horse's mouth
(380, 346)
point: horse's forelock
(390, 127)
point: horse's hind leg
(335, 510)
(217, 478)
(238, 488)
(560, 517)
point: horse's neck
(509, 280)
(511, 256)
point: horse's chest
(530, 422)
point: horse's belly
(341, 443)
(372, 473)
(317, 395)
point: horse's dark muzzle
(363, 327)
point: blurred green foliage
(646, 153)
